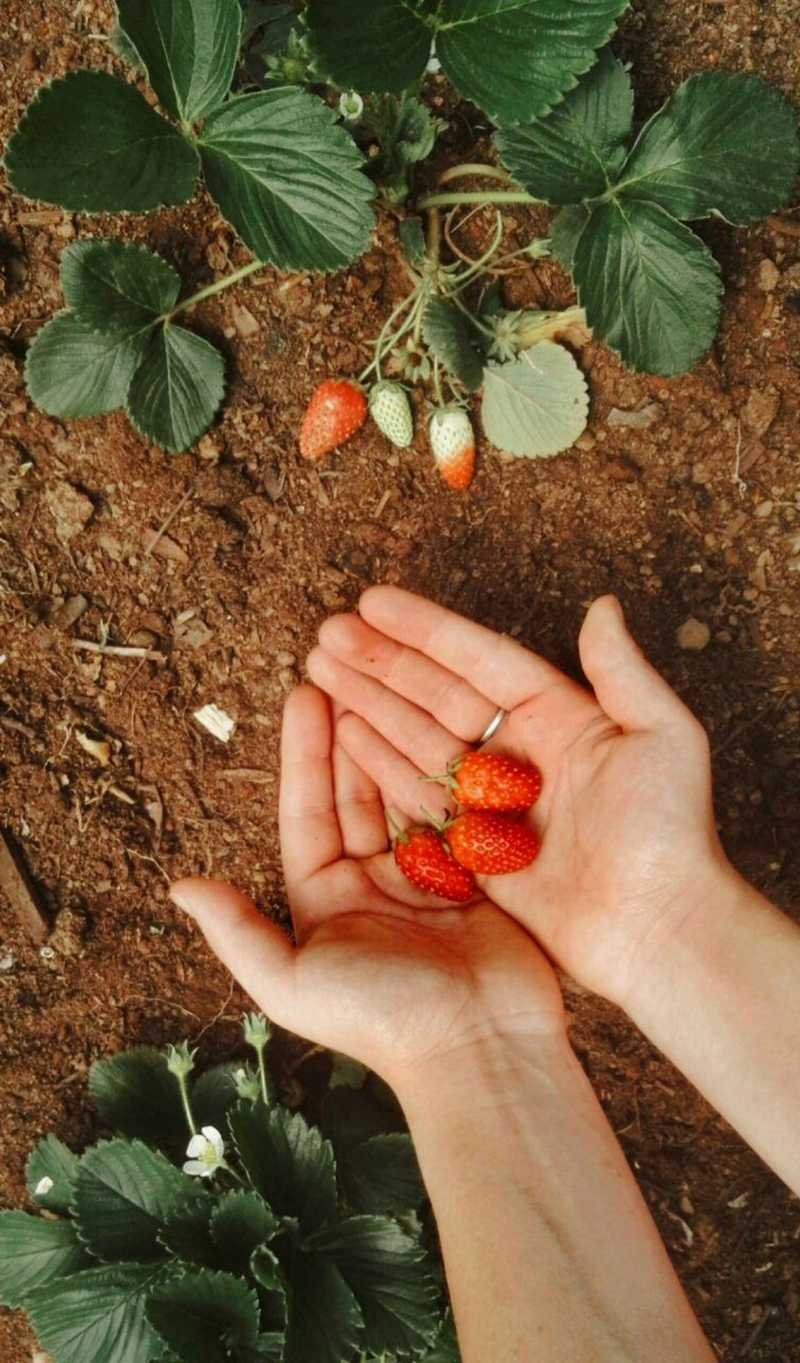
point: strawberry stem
(226, 283)
(478, 196)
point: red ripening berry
(487, 780)
(424, 859)
(492, 844)
(336, 411)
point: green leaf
(240, 1223)
(214, 1093)
(91, 143)
(189, 49)
(53, 1160)
(177, 389)
(123, 1194)
(445, 1345)
(34, 1251)
(325, 1323)
(515, 58)
(536, 405)
(288, 1162)
(186, 1231)
(272, 1290)
(721, 144)
(73, 371)
(453, 340)
(118, 288)
(650, 287)
(412, 239)
(387, 1272)
(134, 1091)
(565, 230)
(382, 1175)
(202, 1315)
(381, 46)
(96, 1315)
(289, 179)
(578, 149)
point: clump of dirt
(213, 571)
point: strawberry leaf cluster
(302, 1243)
(722, 145)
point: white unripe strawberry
(390, 409)
(453, 444)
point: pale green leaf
(722, 144)
(380, 46)
(73, 371)
(119, 288)
(576, 151)
(536, 405)
(51, 1159)
(177, 389)
(453, 339)
(34, 1251)
(289, 179)
(123, 1193)
(515, 58)
(387, 1272)
(649, 286)
(289, 1162)
(188, 48)
(97, 1316)
(202, 1315)
(91, 143)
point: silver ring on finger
(491, 728)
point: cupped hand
(629, 845)
(390, 975)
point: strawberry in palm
(425, 860)
(488, 780)
(336, 411)
(492, 844)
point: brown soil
(695, 516)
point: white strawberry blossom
(206, 1151)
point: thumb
(629, 689)
(254, 949)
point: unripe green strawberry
(390, 409)
(453, 444)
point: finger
(405, 793)
(411, 729)
(309, 828)
(502, 670)
(255, 950)
(448, 697)
(359, 806)
(629, 689)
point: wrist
(497, 1068)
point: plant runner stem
(472, 168)
(478, 196)
(226, 283)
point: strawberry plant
(265, 1239)
(722, 145)
(279, 166)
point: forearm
(549, 1249)
(721, 997)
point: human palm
(625, 810)
(377, 973)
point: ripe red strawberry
(453, 443)
(487, 780)
(492, 844)
(424, 858)
(336, 411)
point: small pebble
(693, 634)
